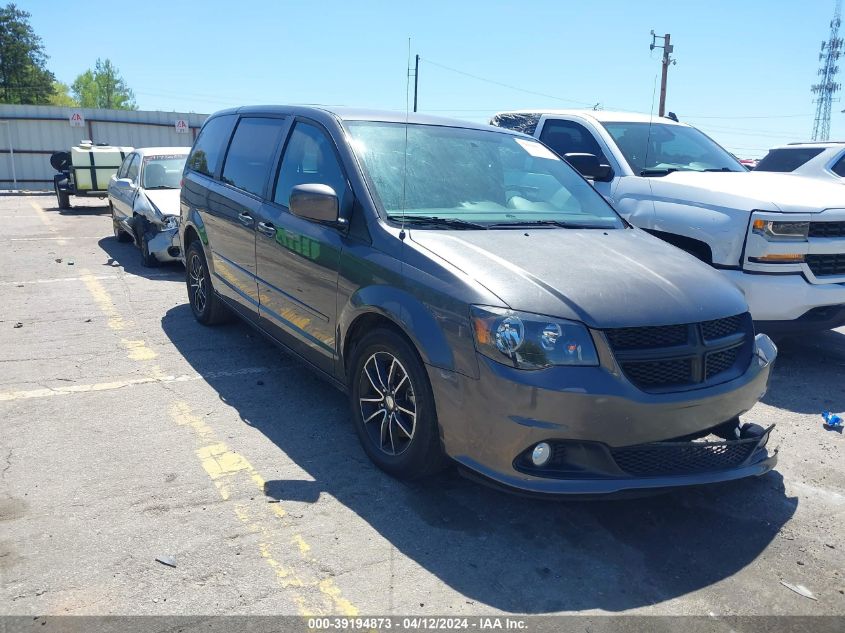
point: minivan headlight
(531, 341)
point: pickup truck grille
(687, 356)
(827, 229)
(826, 265)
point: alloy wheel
(197, 283)
(388, 404)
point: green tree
(103, 87)
(24, 77)
(61, 95)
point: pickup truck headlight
(531, 341)
(780, 231)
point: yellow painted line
(45, 219)
(53, 280)
(67, 390)
(231, 472)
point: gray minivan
(476, 298)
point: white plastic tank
(94, 165)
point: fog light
(541, 454)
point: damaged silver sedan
(144, 202)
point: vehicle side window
(132, 171)
(839, 167)
(568, 137)
(787, 159)
(309, 158)
(124, 166)
(209, 147)
(250, 155)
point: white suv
(816, 160)
(779, 237)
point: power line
(504, 85)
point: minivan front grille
(826, 265)
(827, 229)
(686, 356)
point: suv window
(787, 159)
(208, 149)
(568, 137)
(309, 159)
(132, 171)
(251, 153)
(839, 167)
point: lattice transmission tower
(829, 55)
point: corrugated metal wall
(35, 132)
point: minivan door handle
(267, 229)
(245, 218)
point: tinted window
(787, 159)
(208, 149)
(839, 167)
(251, 153)
(132, 172)
(309, 159)
(567, 137)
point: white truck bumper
(785, 297)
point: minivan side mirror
(315, 202)
(588, 165)
(123, 183)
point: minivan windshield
(657, 149)
(454, 178)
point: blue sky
(743, 72)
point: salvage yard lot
(129, 432)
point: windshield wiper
(433, 220)
(658, 171)
(158, 187)
(558, 223)
(720, 169)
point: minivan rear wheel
(393, 406)
(207, 307)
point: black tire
(148, 260)
(401, 450)
(119, 233)
(211, 310)
(62, 197)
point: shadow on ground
(511, 553)
(808, 373)
(128, 256)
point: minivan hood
(750, 190)
(604, 278)
(165, 200)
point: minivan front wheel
(207, 307)
(393, 406)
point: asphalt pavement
(130, 433)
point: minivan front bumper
(488, 423)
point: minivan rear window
(787, 159)
(208, 149)
(251, 153)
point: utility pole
(827, 87)
(416, 80)
(667, 59)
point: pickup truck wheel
(119, 233)
(393, 407)
(62, 197)
(207, 307)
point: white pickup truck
(779, 237)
